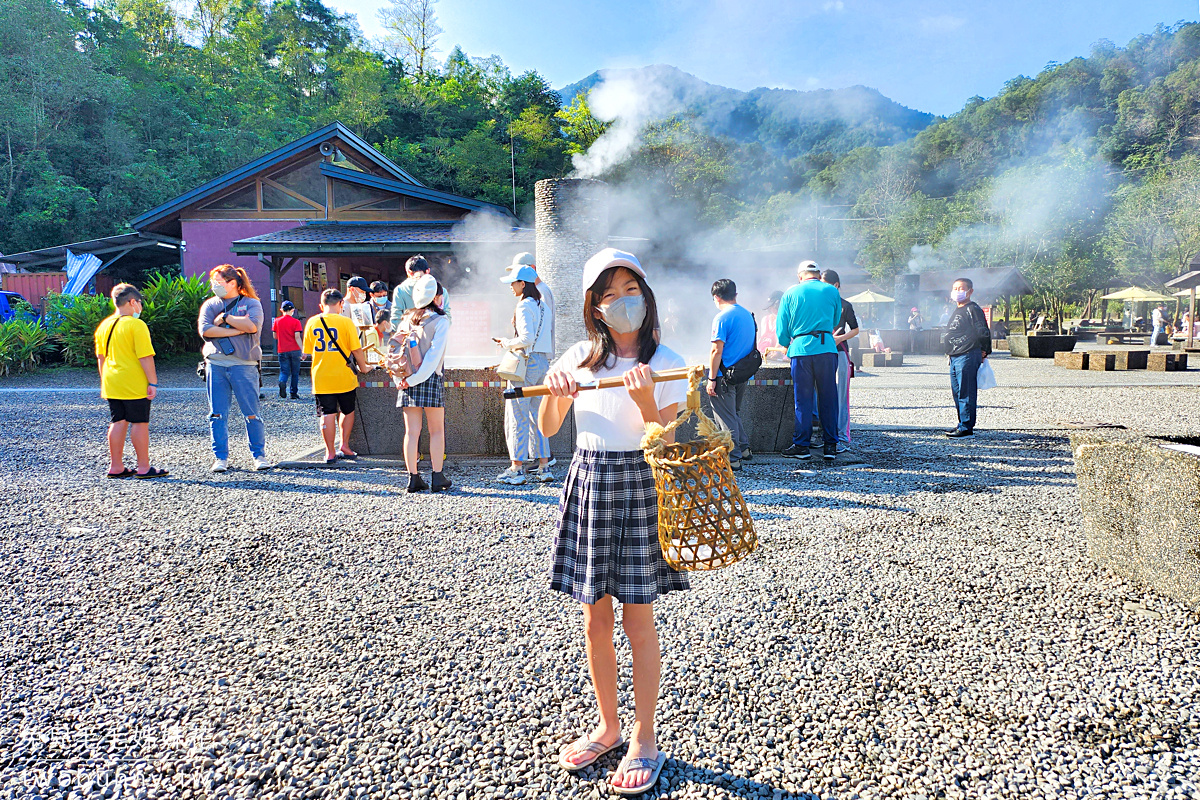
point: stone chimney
(571, 218)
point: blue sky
(927, 54)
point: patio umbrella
(1138, 295)
(868, 297)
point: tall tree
(412, 33)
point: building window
(242, 200)
(305, 180)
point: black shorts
(333, 403)
(131, 411)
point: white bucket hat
(424, 290)
(608, 258)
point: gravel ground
(921, 620)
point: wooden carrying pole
(604, 383)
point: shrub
(71, 321)
(23, 344)
(171, 305)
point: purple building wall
(208, 243)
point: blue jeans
(289, 367)
(225, 383)
(964, 385)
(525, 442)
(819, 370)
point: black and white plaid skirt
(426, 394)
(607, 540)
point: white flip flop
(594, 749)
(628, 764)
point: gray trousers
(843, 398)
(727, 408)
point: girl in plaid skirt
(607, 543)
(421, 391)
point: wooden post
(1191, 319)
(1021, 308)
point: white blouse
(608, 419)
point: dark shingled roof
(374, 237)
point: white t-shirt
(608, 419)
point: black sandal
(153, 472)
(125, 473)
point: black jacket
(968, 330)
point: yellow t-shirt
(123, 377)
(330, 375)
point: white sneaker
(220, 465)
(261, 463)
(543, 475)
(512, 476)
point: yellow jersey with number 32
(330, 374)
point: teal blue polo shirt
(809, 307)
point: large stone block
(1071, 360)
(893, 359)
(1131, 359)
(1041, 346)
(1102, 362)
(1181, 362)
(999, 344)
(1141, 508)
(1161, 362)
(872, 359)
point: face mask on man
(959, 295)
(624, 315)
(380, 300)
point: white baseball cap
(522, 260)
(808, 266)
(608, 258)
(424, 290)
(524, 272)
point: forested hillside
(109, 111)
(1085, 174)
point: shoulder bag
(351, 362)
(744, 368)
(515, 363)
(223, 344)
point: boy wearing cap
(332, 340)
(288, 341)
(128, 381)
(356, 307)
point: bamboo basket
(703, 521)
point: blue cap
(522, 273)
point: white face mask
(624, 315)
(218, 289)
(958, 295)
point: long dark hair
(530, 290)
(603, 346)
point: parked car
(8, 303)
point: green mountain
(787, 122)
